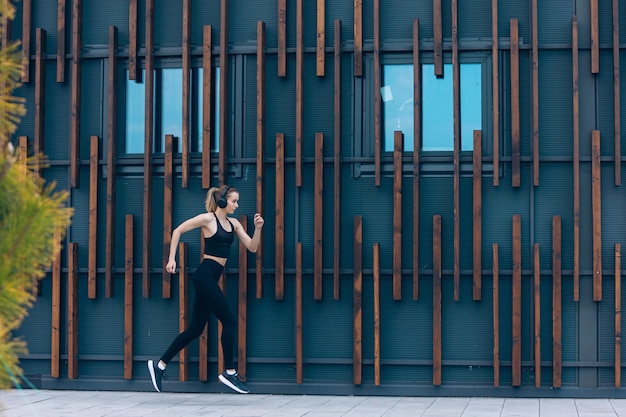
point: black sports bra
(219, 243)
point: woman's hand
(258, 221)
(171, 266)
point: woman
(219, 231)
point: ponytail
(211, 199)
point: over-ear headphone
(221, 202)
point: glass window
(135, 114)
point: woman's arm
(189, 224)
(252, 244)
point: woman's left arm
(252, 244)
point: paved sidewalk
(56, 403)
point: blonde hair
(214, 194)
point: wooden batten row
(183, 308)
(437, 39)
(456, 104)
(242, 311)
(55, 354)
(537, 312)
(358, 38)
(220, 352)
(299, 90)
(377, 98)
(596, 203)
(557, 309)
(260, 140)
(40, 95)
(186, 61)
(168, 184)
(299, 317)
(516, 328)
(279, 249)
(72, 310)
(357, 294)
(27, 17)
(495, 271)
(535, 88)
(417, 144)
(320, 53)
(132, 39)
(129, 264)
(224, 75)
(477, 204)
(282, 38)
(75, 94)
(147, 154)
(576, 158)
(618, 316)
(515, 104)
(617, 153)
(398, 140)
(437, 325)
(595, 37)
(495, 93)
(93, 217)
(207, 104)
(110, 164)
(337, 164)
(376, 278)
(61, 41)
(318, 208)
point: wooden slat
(147, 153)
(111, 159)
(224, 73)
(357, 342)
(72, 311)
(595, 38)
(496, 314)
(437, 334)
(596, 197)
(40, 96)
(576, 158)
(417, 146)
(260, 137)
(537, 312)
(26, 28)
(220, 351)
(495, 93)
(61, 41)
(128, 297)
(55, 354)
(318, 208)
(617, 124)
(282, 38)
(299, 316)
(93, 217)
(437, 39)
(75, 99)
(168, 173)
(132, 39)
(337, 164)
(186, 58)
(377, 99)
(279, 249)
(207, 105)
(618, 316)
(358, 38)
(477, 203)
(321, 38)
(242, 312)
(535, 95)
(515, 105)
(516, 327)
(203, 348)
(557, 353)
(456, 104)
(376, 273)
(299, 89)
(23, 151)
(7, 25)
(183, 308)
(398, 139)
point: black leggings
(209, 299)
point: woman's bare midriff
(221, 261)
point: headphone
(221, 202)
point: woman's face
(232, 202)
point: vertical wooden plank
(535, 83)
(55, 355)
(75, 99)
(60, 41)
(437, 334)
(417, 146)
(147, 154)
(337, 164)
(183, 309)
(186, 58)
(437, 38)
(617, 128)
(376, 273)
(220, 351)
(26, 28)
(168, 169)
(318, 208)
(203, 348)
(596, 197)
(377, 99)
(132, 39)
(128, 297)
(282, 38)
(299, 316)
(515, 105)
(40, 96)
(321, 38)
(242, 326)
(279, 250)
(224, 73)
(496, 314)
(516, 364)
(495, 92)
(537, 312)
(93, 217)
(618, 315)
(557, 354)
(207, 105)
(260, 137)
(299, 89)
(7, 25)
(456, 104)
(398, 139)
(595, 38)
(357, 301)
(477, 203)
(358, 38)
(576, 158)
(111, 158)
(72, 311)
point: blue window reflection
(135, 114)
(171, 106)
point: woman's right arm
(189, 224)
